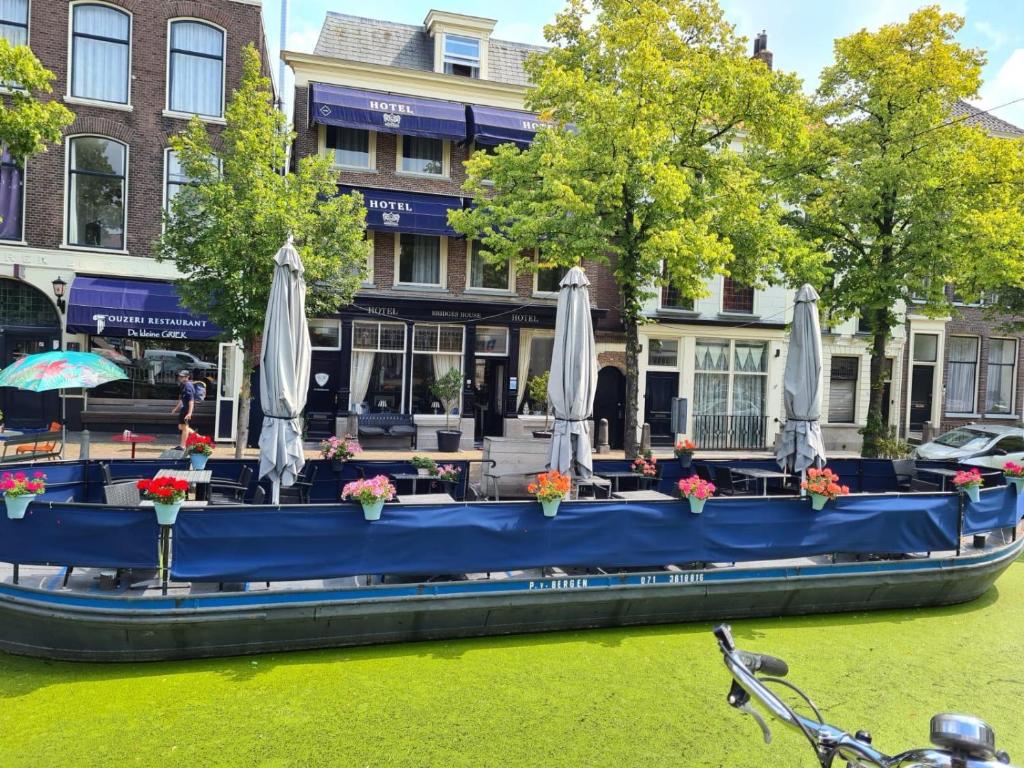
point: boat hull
(90, 627)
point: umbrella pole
(275, 492)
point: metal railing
(728, 432)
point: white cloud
(1006, 86)
(303, 39)
(996, 37)
(521, 32)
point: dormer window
(461, 56)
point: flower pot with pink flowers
(1014, 474)
(371, 493)
(20, 490)
(969, 482)
(697, 491)
(823, 486)
(338, 450)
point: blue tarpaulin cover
(1000, 507)
(418, 214)
(387, 112)
(490, 126)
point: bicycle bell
(963, 733)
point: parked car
(975, 441)
(178, 360)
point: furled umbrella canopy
(284, 372)
(802, 445)
(573, 381)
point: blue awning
(418, 214)
(491, 126)
(387, 112)
(144, 309)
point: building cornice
(90, 262)
(309, 67)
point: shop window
(152, 366)
(962, 374)
(730, 385)
(325, 333)
(437, 349)
(485, 274)
(23, 305)
(492, 341)
(842, 395)
(1001, 373)
(196, 78)
(14, 21)
(535, 362)
(351, 147)
(737, 297)
(461, 56)
(663, 352)
(419, 259)
(96, 186)
(378, 367)
(423, 156)
(100, 52)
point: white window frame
(168, 112)
(856, 389)
(679, 353)
(65, 242)
(501, 328)
(403, 352)
(371, 146)
(977, 374)
(446, 159)
(1013, 378)
(69, 97)
(28, 23)
(335, 322)
(436, 351)
(731, 371)
(371, 238)
(165, 200)
(470, 288)
(442, 255)
(736, 312)
(457, 60)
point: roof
(408, 46)
(984, 120)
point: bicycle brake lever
(749, 710)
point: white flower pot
(372, 510)
(16, 505)
(973, 492)
(1017, 483)
(166, 514)
(422, 471)
(696, 505)
(550, 507)
(818, 501)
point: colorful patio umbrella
(59, 370)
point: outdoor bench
(378, 430)
(42, 445)
(117, 414)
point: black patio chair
(299, 492)
(906, 473)
(230, 492)
(727, 484)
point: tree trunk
(875, 428)
(631, 442)
(249, 360)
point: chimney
(761, 49)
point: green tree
(223, 230)
(904, 199)
(28, 124)
(655, 96)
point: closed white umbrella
(573, 381)
(802, 445)
(284, 373)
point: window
(926, 347)
(729, 393)
(100, 53)
(1002, 366)
(96, 192)
(423, 156)
(175, 178)
(12, 185)
(487, 275)
(534, 360)
(663, 352)
(842, 395)
(436, 350)
(737, 297)
(196, 69)
(378, 367)
(14, 21)
(419, 259)
(548, 279)
(672, 299)
(1011, 444)
(461, 56)
(351, 147)
(325, 333)
(962, 382)
(491, 341)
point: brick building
(84, 214)
(400, 107)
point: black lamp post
(59, 286)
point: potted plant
(684, 452)
(20, 490)
(538, 389)
(645, 466)
(697, 491)
(550, 488)
(1, 421)
(1014, 475)
(167, 494)
(823, 486)
(447, 473)
(448, 389)
(339, 450)
(969, 482)
(424, 465)
(198, 448)
(371, 493)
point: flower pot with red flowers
(697, 491)
(969, 482)
(1014, 474)
(20, 490)
(371, 494)
(167, 494)
(198, 448)
(823, 486)
(550, 488)
(684, 453)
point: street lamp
(59, 286)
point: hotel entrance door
(489, 382)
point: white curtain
(442, 365)
(963, 363)
(197, 61)
(524, 368)
(15, 11)
(421, 260)
(362, 369)
(100, 67)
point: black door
(610, 403)
(921, 384)
(661, 388)
(887, 390)
(489, 381)
(322, 398)
(26, 409)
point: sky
(800, 32)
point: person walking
(186, 402)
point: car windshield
(962, 437)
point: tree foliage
(903, 198)
(28, 124)
(648, 101)
(223, 231)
